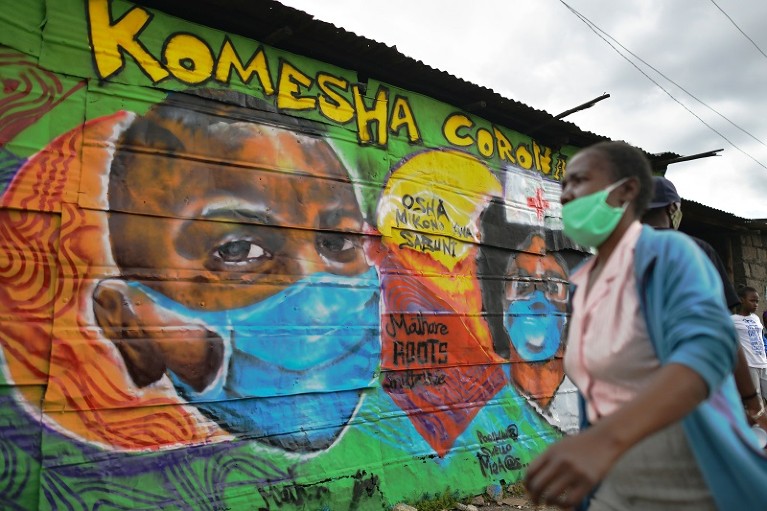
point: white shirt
(749, 330)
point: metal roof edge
(293, 30)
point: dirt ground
(510, 503)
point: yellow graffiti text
(192, 61)
(428, 243)
(461, 131)
(229, 60)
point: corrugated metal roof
(721, 218)
(296, 31)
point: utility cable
(640, 59)
(739, 29)
(597, 31)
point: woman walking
(651, 348)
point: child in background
(750, 331)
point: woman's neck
(606, 249)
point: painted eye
(517, 289)
(336, 247)
(241, 251)
(556, 290)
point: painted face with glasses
(523, 288)
(536, 293)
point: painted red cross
(539, 203)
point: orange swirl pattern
(28, 93)
(53, 253)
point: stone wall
(750, 262)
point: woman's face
(588, 172)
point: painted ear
(113, 306)
(152, 340)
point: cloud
(541, 54)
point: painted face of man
(236, 203)
(242, 241)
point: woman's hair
(744, 290)
(627, 161)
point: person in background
(764, 331)
(750, 330)
(651, 349)
(665, 212)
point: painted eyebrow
(331, 218)
(238, 210)
(557, 276)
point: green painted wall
(233, 277)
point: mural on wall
(432, 324)
(239, 279)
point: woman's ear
(629, 191)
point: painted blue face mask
(535, 327)
(295, 363)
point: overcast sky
(540, 53)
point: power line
(739, 29)
(640, 59)
(597, 31)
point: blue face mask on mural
(295, 363)
(535, 327)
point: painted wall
(236, 278)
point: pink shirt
(609, 355)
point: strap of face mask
(615, 185)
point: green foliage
(516, 490)
(437, 501)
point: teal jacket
(682, 302)
(681, 298)
(688, 323)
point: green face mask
(676, 218)
(590, 220)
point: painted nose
(301, 254)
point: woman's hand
(570, 469)
(566, 473)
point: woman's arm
(566, 473)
